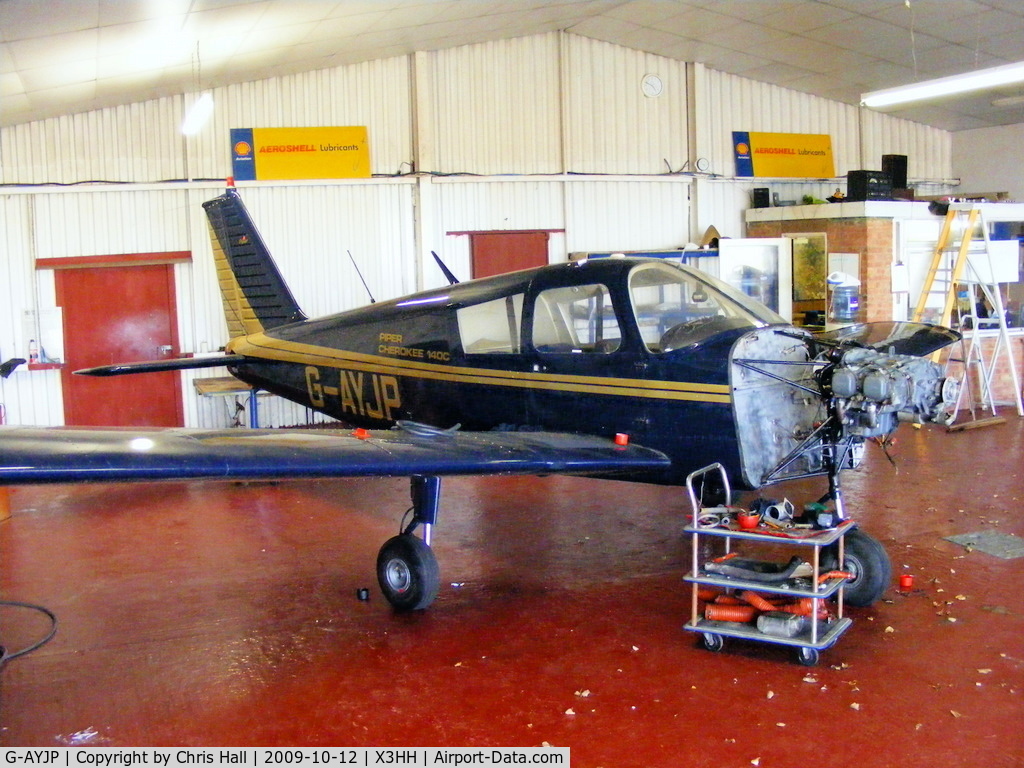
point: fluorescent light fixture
(198, 114)
(946, 86)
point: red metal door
(119, 314)
(495, 253)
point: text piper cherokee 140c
(533, 372)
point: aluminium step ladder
(970, 264)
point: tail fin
(255, 295)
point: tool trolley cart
(758, 598)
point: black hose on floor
(5, 655)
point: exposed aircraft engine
(875, 392)
(804, 405)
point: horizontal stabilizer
(156, 366)
(30, 455)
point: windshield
(677, 306)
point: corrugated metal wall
(99, 222)
(26, 396)
(603, 215)
(610, 125)
(131, 143)
(542, 108)
(492, 108)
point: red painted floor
(221, 614)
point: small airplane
(637, 368)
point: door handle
(164, 349)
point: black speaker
(896, 167)
(761, 197)
(868, 185)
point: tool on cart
(759, 570)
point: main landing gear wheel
(408, 573)
(868, 564)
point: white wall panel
(26, 397)
(610, 126)
(627, 215)
(500, 204)
(375, 94)
(16, 276)
(103, 222)
(929, 150)
(131, 143)
(492, 108)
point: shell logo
(242, 148)
(742, 148)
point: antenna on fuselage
(452, 279)
(361, 278)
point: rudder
(255, 294)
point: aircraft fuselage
(667, 355)
(562, 348)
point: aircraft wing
(30, 455)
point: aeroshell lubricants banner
(801, 155)
(268, 154)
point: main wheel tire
(407, 572)
(868, 563)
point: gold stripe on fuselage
(260, 345)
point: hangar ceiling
(67, 56)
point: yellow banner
(340, 152)
(802, 155)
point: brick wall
(870, 238)
(1002, 381)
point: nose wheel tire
(867, 563)
(408, 573)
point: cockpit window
(491, 327)
(677, 307)
(578, 318)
